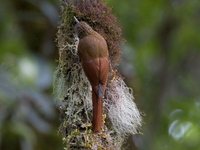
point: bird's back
(92, 46)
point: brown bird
(94, 56)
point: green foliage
(162, 49)
(28, 119)
(165, 40)
(27, 116)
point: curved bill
(76, 19)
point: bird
(94, 56)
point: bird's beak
(76, 20)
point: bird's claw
(114, 75)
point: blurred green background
(161, 62)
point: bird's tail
(97, 101)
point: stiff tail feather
(97, 101)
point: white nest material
(121, 108)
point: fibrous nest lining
(73, 90)
(122, 111)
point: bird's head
(82, 29)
